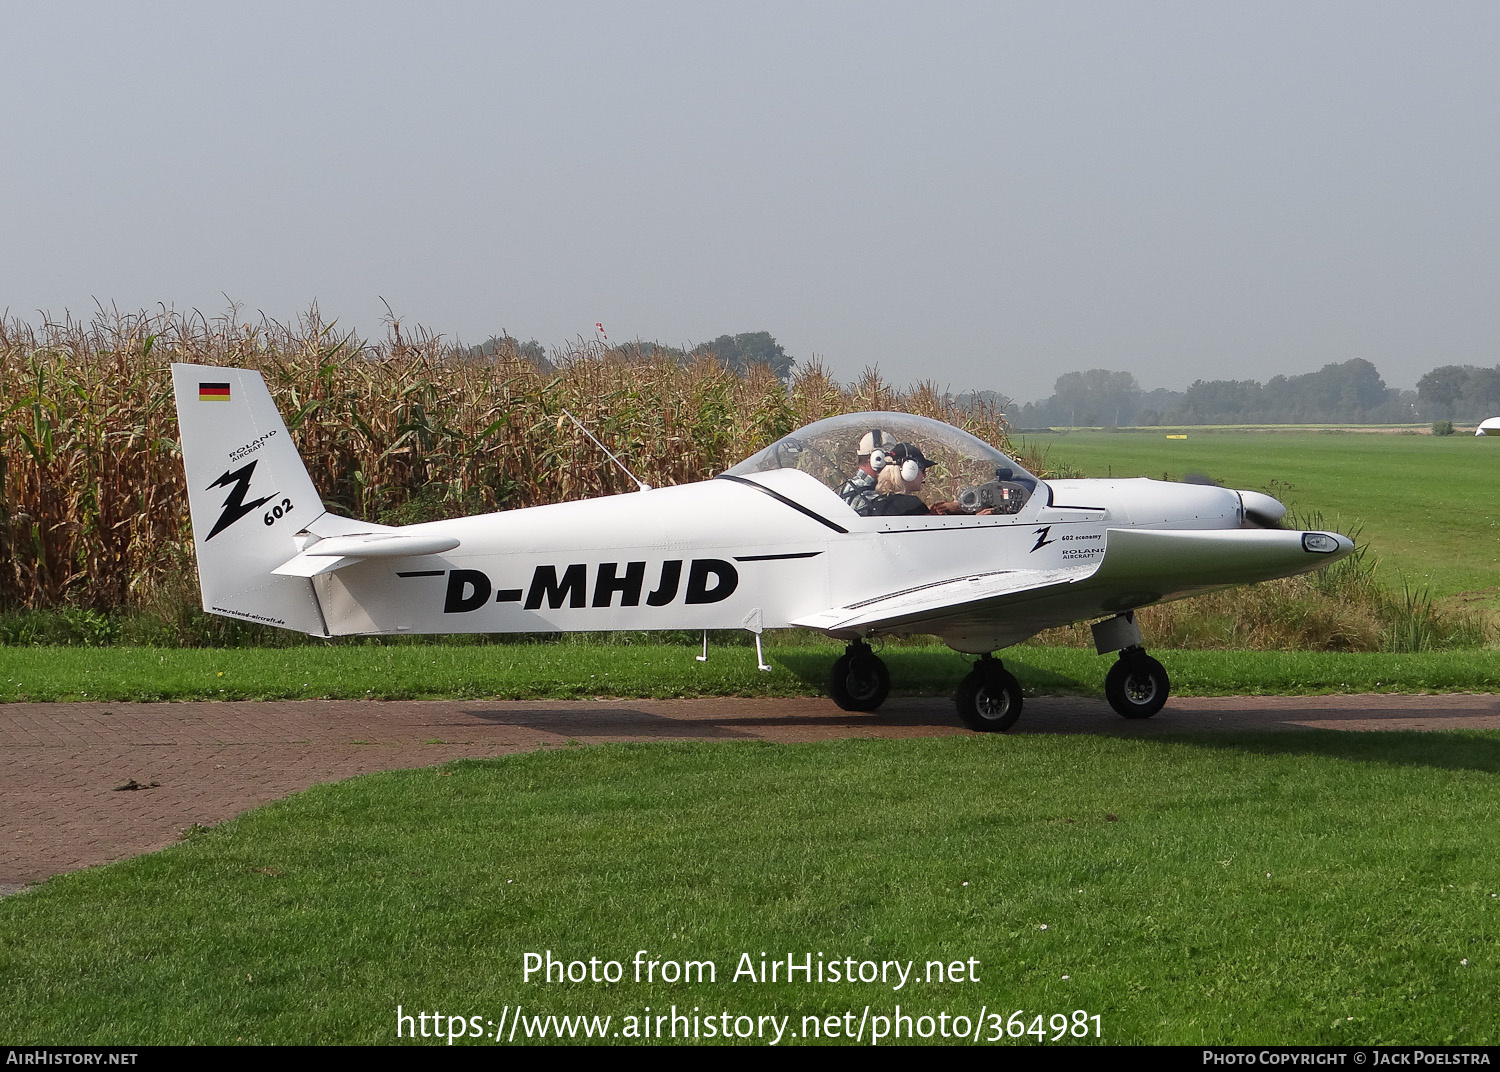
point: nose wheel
(1137, 685)
(989, 698)
(859, 680)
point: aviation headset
(910, 467)
(897, 455)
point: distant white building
(1488, 427)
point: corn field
(93, 509)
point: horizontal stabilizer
(336, 552)
(326, 525)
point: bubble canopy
(829, 451)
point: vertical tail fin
(249, 493)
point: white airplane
(769, 543)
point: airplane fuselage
(733, 554)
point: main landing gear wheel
(859, 680)
(1137, 685)
(989, 699)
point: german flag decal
(213, 392)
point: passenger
(859, 490)
(902, 477)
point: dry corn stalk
(92, 508)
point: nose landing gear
(1137, 685)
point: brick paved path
(61, 764)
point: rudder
(249, 494)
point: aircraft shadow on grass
(1455, 750)
(606, 721)
(923, 667)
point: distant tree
(1346, 391)
(1358, 388)
(1482, 395)
(1402, 406)
(505, 343)
(739, 352)
(1096, 397)
(1221, 402)
(1444, 386)
(657, 350)
(1351, 391)
(1463, 392)
(986, 399)
(1160, 406)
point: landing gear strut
(1137, 685)
(989, 698)
(859, 680)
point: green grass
(1429, 505)
(1308, 888)
(524, 671)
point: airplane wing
(1138, 567)
(915, 605)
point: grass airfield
(1312, 888)
(588, 668)
(1295, 888)
(1228, 888)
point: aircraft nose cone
(1331, 544)
(1261, 508)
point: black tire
(989, 700)
(1137, 687)
(859, 681)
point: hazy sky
(987, 195)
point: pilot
(859, 490)
(902, 477)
